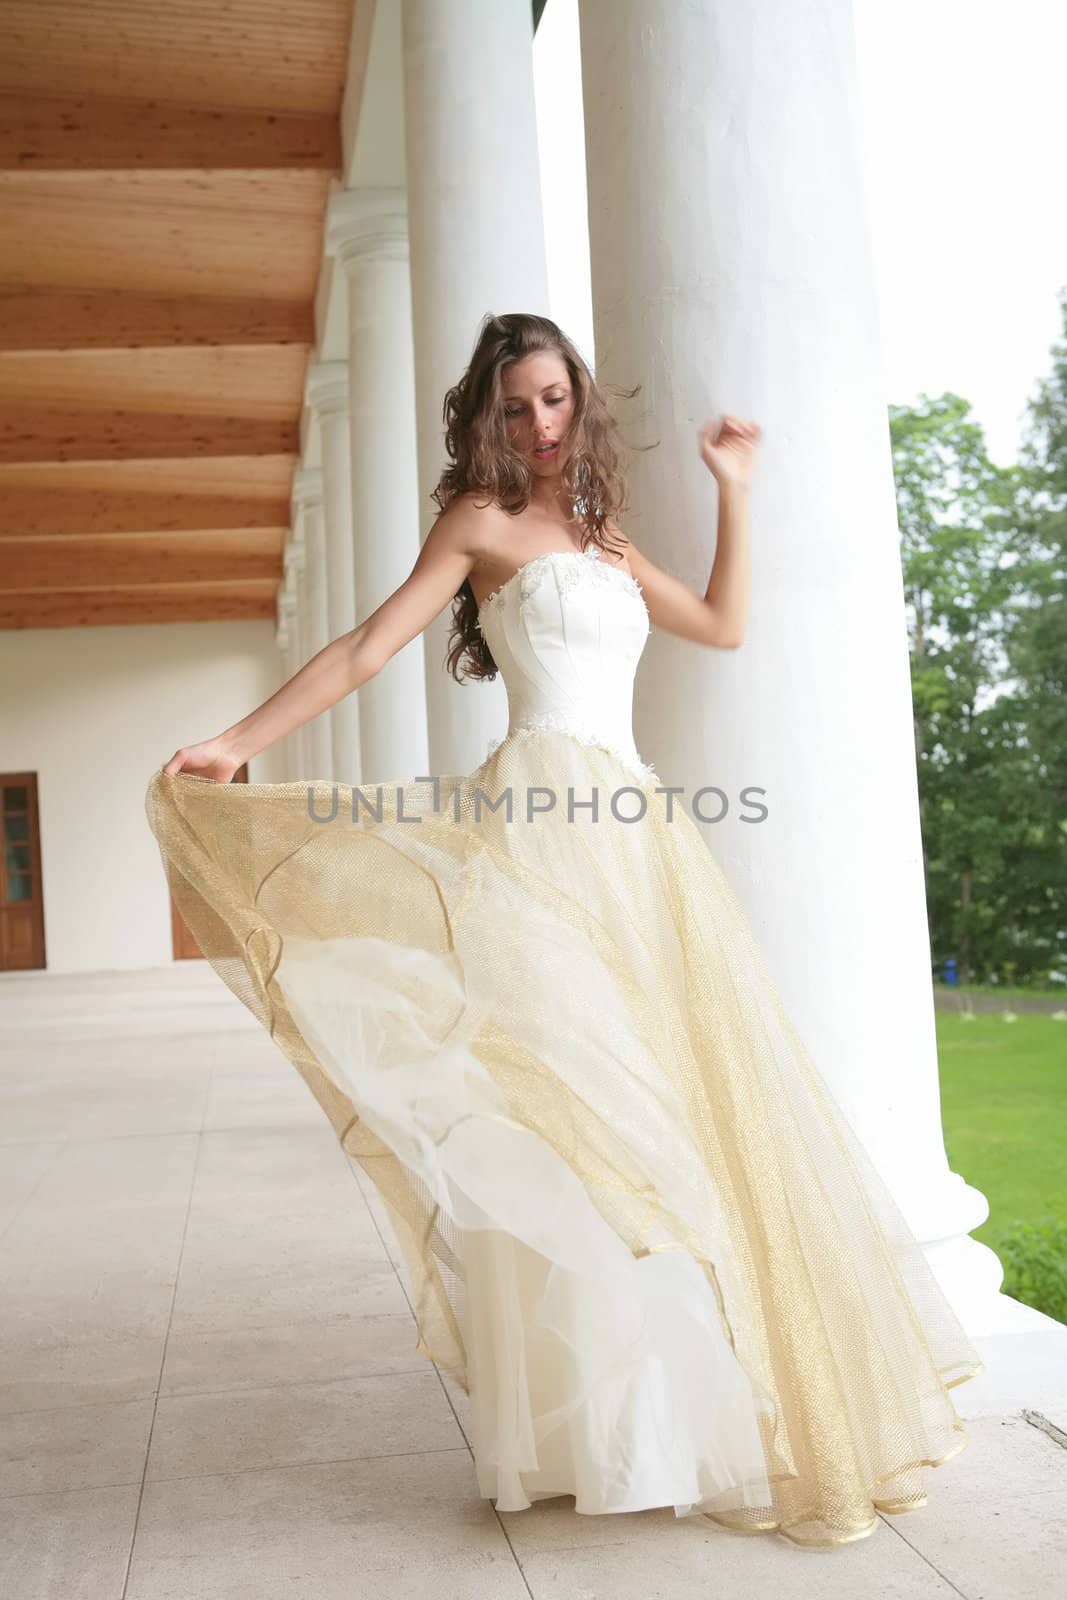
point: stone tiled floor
(208, 1375)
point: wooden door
(184, 945)
(21, 891)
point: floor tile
(391, 1414)
(315, 1349)
(71, 1546)
(686, 1562)
(83, 1447)
(393, 1529)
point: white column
(731, 271)
(367, 232)
(285, 640)
(295, 574)
(326, 394)
(307, 507)
(477, 246)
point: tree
(1036, 645)
(986, 680)
(954, 511)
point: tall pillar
(326, 394)
(307, 507)
(284, 638)
(367, 232)
(731, 272)
(295, 573)
(477, 246)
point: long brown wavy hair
(483, 460)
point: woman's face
(538, 405)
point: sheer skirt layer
(640, 1231)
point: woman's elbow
(725, 635)
(367, 655)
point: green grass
(1003, 992)
(1004, 1108)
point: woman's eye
(553, 400)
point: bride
(639, 1230)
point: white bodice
(567, 631)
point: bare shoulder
(471, 523)
(648, 574)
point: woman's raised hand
(728, 449)
(212, 759)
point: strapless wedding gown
(639, 1230)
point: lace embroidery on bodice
(533, 572)
(566, 636)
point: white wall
(94, 712)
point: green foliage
(1034, 1257)
(983, 551)
(1038, 646)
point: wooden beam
(184, 236)
(81, 132)
(56, 319)
(68, 499)
(127, 560)
(231, 602)
(53, 435)
(67, 519)
(284, 54)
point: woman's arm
(350, 660)
(728, 450)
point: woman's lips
(547, 454)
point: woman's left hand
(728, 449)
(212, 759)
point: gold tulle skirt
(639, 1230)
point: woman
(639, 1230)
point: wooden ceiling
(164, 172)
